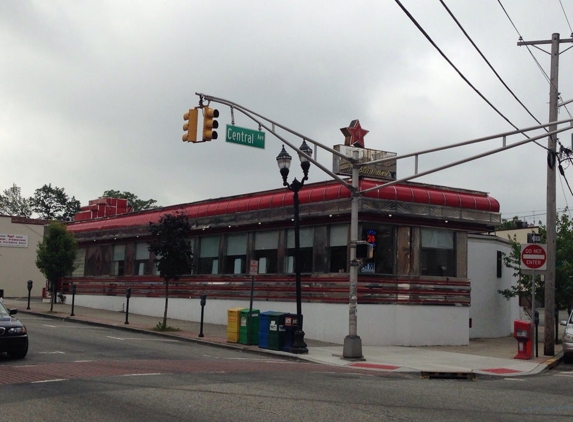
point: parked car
(13, 334)
(568, 337)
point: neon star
(354, 134)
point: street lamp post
(283, 161)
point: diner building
(414, 290)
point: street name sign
(244, 136)
(533, 256)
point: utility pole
(549, 323)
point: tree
(56, 255)
(171, 245)
(514, 223)
(52, 203)
(12, 203)
(523, 287)
(563, 266)
(136, 203)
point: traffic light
(209, 123)
(364, 250)
(190, 127)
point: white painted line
(56, 352)
(142, 339)
(82, 361)
(54, 380)
(142, 375)
(514, 379)
(51, 326)
(564, 374)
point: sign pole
(534, 333)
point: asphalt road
(77, 372)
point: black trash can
(290, 327)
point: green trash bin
(253, 330)
(276, 330)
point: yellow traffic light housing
(209, 123)
(190, 127)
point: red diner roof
(312, 193)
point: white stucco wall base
(492, 315)
(378, 325)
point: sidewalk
(482, 357)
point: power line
(566, 18)
(452, 65)
(487, 62)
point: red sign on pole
(534, 256)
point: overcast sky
(93, 92)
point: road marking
(54, 380)
(57, 352)
(141, 339)
(514, 379)
(142, 375)
(564, 374)
(51, 326)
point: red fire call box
(523, 332)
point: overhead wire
(487, 61)
(415, 22)
(562, 149)
(492, 69)
(566, 18)
(426, 35)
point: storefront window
(209, 255)
(306, 242)
(118, 263)
(382, 240)
(141, 263)
(79, 263)
(337, 248)
(266, 244)
(236, 256)
(438, 253)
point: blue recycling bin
(264, 323)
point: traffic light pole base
(352, 348)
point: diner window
(236, 256)
(266, 244)
(382, 240)
(118, 262)
(141, 259)
(209, 255)
(438, 253)
(79, 263)
(306, 241)
(337, 248)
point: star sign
(354, 134)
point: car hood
(4, 319)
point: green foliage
(52, 203)
(563, 266)
(12, 203)
(171, 245)
(524, 280)
(162, 327)
(136, 203)
(56, 252)
(514, 223)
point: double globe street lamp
(283, 161)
